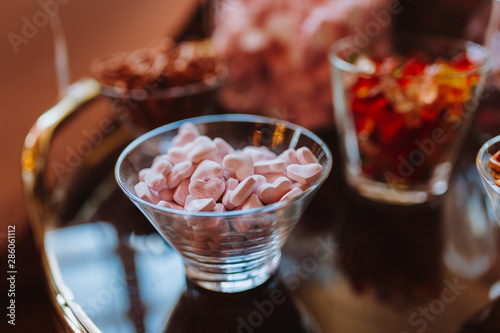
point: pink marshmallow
(206, 227)
(179, 154)
(201, 205)
(207, 170)
(187, 133)
(212, 188)
(143, 191)
(162, 165)
(171, 205)
(189, 198)
(182, 230)
(214, 156)
(253, 201)
(290, 156)
(159, 158)
(240, 164)
(179, 172)
(259, 180)
(219, 208)
(229, 174)
(271, 193)
(192, 175)
(181, 192)
(223, 148)
(202, 147)
(155, 177)
(143, 173)
(302, 187)
(241, 193)
(203, 231)
(306, 156)
(276, 165)
(188, 127)
(271, 177)
(221, 230)
(294, 192)
(259, 153)
(240, 225)
(305, 174)
(166, 194)
(155, 180)
(231, 184)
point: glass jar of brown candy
(162, 82)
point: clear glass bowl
(235, 250)
(487, 150)
(401, 129)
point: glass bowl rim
(482, 167)
(423, 38)
(225, 118)
(169, 92)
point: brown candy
(494, 164)
(139, 81)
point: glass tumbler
(403, 105)
(235, 250)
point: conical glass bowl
(235, 250)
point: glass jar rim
(406, 37)
(169, 92)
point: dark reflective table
(350, 265)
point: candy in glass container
(403, 105)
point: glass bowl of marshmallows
(225, 191)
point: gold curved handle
(37, 146)
(38, 195)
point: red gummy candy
(461, 62)
(389, 123)
(364, 86)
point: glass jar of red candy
(402, 106)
